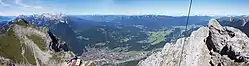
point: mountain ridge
(207, 46)
(26, 44)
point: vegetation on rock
(38, 41)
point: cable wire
(186, 28)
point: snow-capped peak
(53, 15)
(57, 17)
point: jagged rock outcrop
(31, 45)
(57, 45)
(240, 22)
(212, 45)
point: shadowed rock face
(55, 44)
(208, 46)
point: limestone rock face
(214, 23)
(213, 45)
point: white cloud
(10, 13)
(2, 14)
(20, 2)
(3, 3)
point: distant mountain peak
(55, 17)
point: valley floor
(108, 57)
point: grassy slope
(29, 56)
(38, 41)
(155, 37)
(11, 47)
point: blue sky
(124, 7)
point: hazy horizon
(120, 15)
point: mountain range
(112, 39)
(6, 18)
(119, 32)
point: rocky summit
(212, 45)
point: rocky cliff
(212, 45)
(24, 44)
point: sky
(124, 7)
